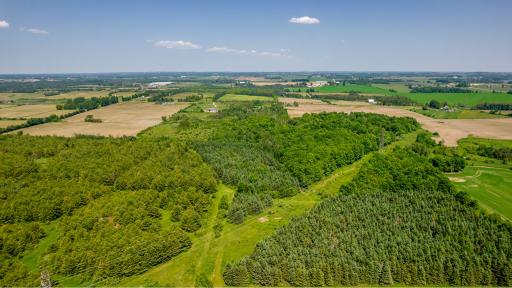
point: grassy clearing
(398, 87)
(31, 259)
(490, 184)
(457, 114)
(236, 97)
(209, 255)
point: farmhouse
(211, 110)
(371, 101)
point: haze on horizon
(138, 36)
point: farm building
(211, 110)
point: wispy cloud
(4, 24)
(180, 44)
(304, 20)
(34, 30)
(248, 52)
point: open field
(489, 184)
(7, 123)
(235, 97)
(450, 130)
(127, 119)
(468, 99)
(262, 81)
(457, 114)
(398, 87)
(84, 94)
(31, 111)
(7, 97)
(363, 89)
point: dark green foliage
(434, 104)
(494, 106)
(110, 195)
(258, 149)
(203, 281)
(432, 89)
(83, 104)
(399, 222)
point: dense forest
(263, 153)
(398, 222)
(109, 198)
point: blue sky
(114, 36)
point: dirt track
(450, 130)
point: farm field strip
(235, 97)
(450, 130)
(31, 111)
(123, 119)
(7, 123)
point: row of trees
(86, 104)
(399, 222)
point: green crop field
(236, 97)
(489, 184)
(467, 99)
(457, 114)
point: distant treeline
(440, 90)
(86, 104)
(494, 106)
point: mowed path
(209, 255)
(450, 130)
(123, 119)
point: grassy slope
(209, 255)
(490, 185)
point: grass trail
(209, 255)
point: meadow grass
(467, 99)
(490, 184)
(237, 97)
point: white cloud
(4, 24)
(34, 30)
(250, 52)
(304, 20)
(180, 44)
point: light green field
(467, 99)
(236, 97)
(488, 142)
(490, 184)
(398, 87)
(457, 114)
(209, 255)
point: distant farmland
(234, 97)
(123, 119)
(467, 99)
(31, 111)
